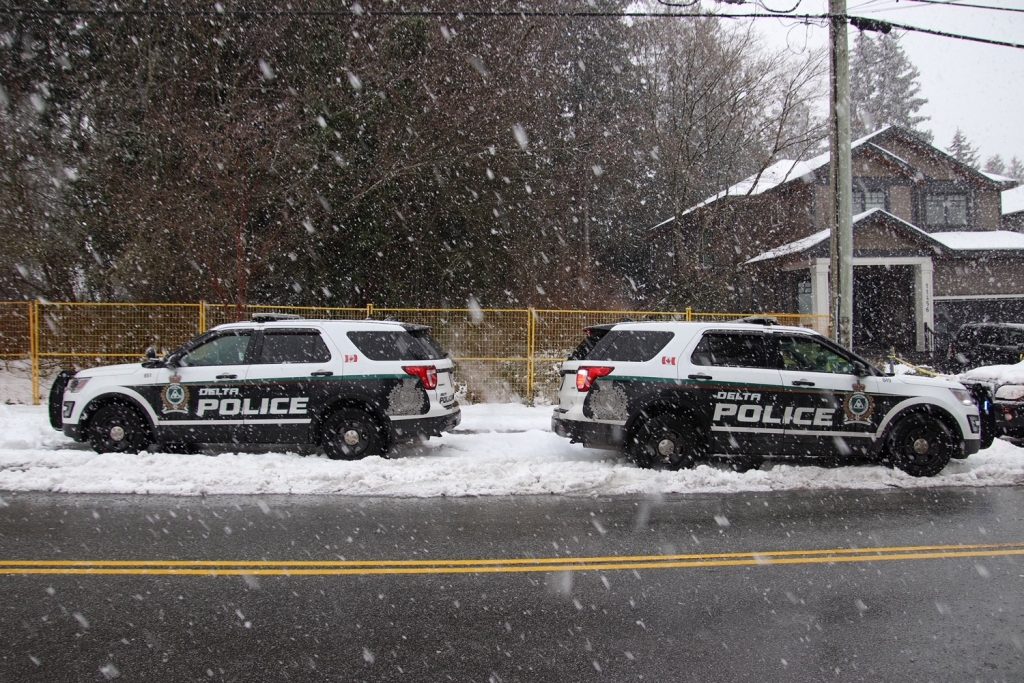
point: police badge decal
(175, 397)
(858, 406)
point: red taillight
(585, 377)
(426, 373)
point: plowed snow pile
(499, 449)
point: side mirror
(860, 369)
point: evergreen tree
(862, 85)
(995, 165)
(1016, 169)
(962, 150)
(884, 87)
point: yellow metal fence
(502, 354)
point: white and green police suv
(670, 393)
(353, 387)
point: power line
(944, 34)
(867, 24)
(954, 3)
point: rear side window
(396, 345)
(731, 350)
(298, 346)
(630, 346)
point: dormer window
(945, 209)
(865, 200)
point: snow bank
(501, 449)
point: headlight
(77, 384)
(1010, 392)
(963, 396)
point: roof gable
(785, 171)
(861, 222)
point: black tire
(921, 445)
(353, 434)
(118, 428)
(665, 440)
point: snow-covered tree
(1015, 169)
(884, 87)
(995, 164)
(962, 150)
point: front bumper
(75, 431)
(426, 426)
(1009, 418)
(590, 434)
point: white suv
(353, 387)
(669, 393)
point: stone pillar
(819, 294)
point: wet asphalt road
(937, 619)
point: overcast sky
(975, 87)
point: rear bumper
(590, 434)
(427, 426)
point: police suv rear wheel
(663, 441)
(352, 434)
(921, 445)
(118, 428)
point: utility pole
(841, 267)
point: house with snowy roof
(930, 247)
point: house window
(945, 208)
(865, 200)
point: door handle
(227, 375)
(321, 373)
(700, 376)
(802, 383)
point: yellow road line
(500, 561)
(512, 565)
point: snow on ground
(500, 449)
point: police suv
(353, 387)
(670, 393)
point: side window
(630, 346)
(731, 349)
(293, 346)
(1014, 337)
(227, 349)
(807, 354)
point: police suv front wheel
(921, 445)
(351, 434)
(664, 441)
(118, 428)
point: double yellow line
(503, 566)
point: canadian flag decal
(351, 358)
(668, 360)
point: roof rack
(273, 317)
(765, 320)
